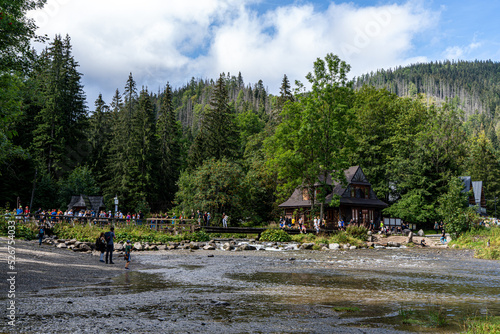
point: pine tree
(99, 136)
(59, 123)
(217, 137)
(168, 136)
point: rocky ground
(191, 290)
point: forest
(227, 146)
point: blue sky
(170, 40)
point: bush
(358, 232)
(275, 235)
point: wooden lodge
(357, 201)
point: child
(128, 249)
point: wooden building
(84, 202)
(357, 201)
(476, 194)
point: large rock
(137, 246)
(420, 233)
(152, 247)
(61, 245)
(118, 247)
(227, 246)
(307, 245)
(209, 247)
(162, 247)
(84, 247)
(393, 244)
(194, 245)
(171, 247)
(346, 246)
(245, 247)
(352, 247)
(334, 246)
(410, 237)
(71, 242)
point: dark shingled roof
(88, 202)
(353, 175)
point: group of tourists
(105, 245)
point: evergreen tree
(99, 136)
(168, 137)
(217, 137)
(59, 123)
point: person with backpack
(109, 236)
(41, 233)
(100, 245)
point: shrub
(358, 232)
(275, 235)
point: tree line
(225, 146)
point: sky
(161, 41)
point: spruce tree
(59, 122)
(168, 137)
(217, 137)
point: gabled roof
(88, 202)
(353, 175)
(477, 188)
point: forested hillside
(226, 146)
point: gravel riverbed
(185, 291)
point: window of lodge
(305, 194)
(360, 191)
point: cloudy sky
(172, 40)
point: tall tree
(59, 122)
(310, 142)
(169, 150)
(217, 137)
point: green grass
(347, 309)
(477, 239)
(482, 325)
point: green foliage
(482, 325)
(217, 186)
(477, 239)
(275, 235)
(454, 210)
(358, 232)
(80, 181)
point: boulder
(369, 232)
(209, 247)
(61, 240)
(346, 246)
(152, 247)
(334, 246)
(421, 233)
(137, 246)
(162, 247)
(71, 242)
(227, 246)
(353, 247)
(307, 245)
(369, 238)
(84, 247)
(194, 245)
(246, 247)
(410, 237)
(78, 243)
(118, 247)
(171, 247)
(393, 244)
(61, 245)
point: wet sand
(184, 291)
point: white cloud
(160, 41)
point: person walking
(443, 237)
(100, 245)
(224, 220)
(109, 236)
(41, 233)
(128, 249)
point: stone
(421, 233)
(352, 247)
(334, 246)
(227, 246)
(393, 244)
(61, 240)
(78, 243)
(209, 247)
(245, 247)
(71, 242)
(369, 232)
(152, 247)
(84, 247)
(118, 247)
(410, 237)
(194, 245)
(307, 245)
(346, 246)
(162, 247)
(369, 238)
(171, 247)
(61, 245)
(137, 246)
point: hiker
(100, 245)
(109, 236)
(41, 233)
